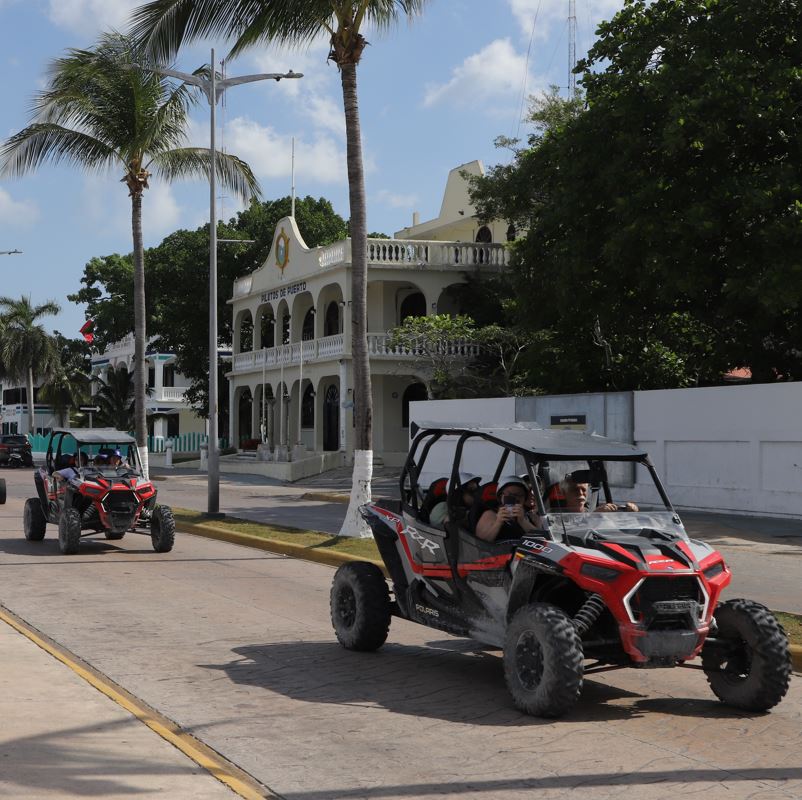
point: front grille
(120, 507)
(666, 603)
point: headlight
(716, 569)
(599, 573)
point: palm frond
(191, 162)
(46, 141)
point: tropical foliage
(107, 108)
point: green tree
(105, 108)
(167, 24)
(115, 398)
(68, 385)
(446, 347)
(26, 349)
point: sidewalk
(61, 738)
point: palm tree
(115, 397)
(65, 389)
(166, 24)
(26, 349)
(105, 108)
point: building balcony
(333, 347)
(168, 394)
(403, 252)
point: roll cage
(536, 446)
(66, 442)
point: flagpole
(292, 209)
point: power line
(526, 71)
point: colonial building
(291, 382)
(168, 412)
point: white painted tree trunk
(143, 457)
(354, 525)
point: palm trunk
(31, 408)
(354, 525)
(140, 375)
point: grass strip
(317, 541)
(311, 540)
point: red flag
(86, 331)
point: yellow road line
(232, 776)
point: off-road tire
(2, 491)
(69, 531)
(162, 529)
(755, 676)
(113, 537)
(543, 660)
(34, 521)
(360, 606)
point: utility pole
(571, 48)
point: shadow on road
(454, 683)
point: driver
(510, 516)
(575, 498)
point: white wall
(729, 448)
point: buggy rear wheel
(69, 531)
(360, 606)
(34, 521)
(162, 529)
(748, 664)
(2, 491)
(543, 660)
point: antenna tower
(571, 48)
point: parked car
(15, 450)
(92, 483)
(582, 592)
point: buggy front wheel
(748, 663)
(162, 529)
(69, 531)
(543, 660)
(360, 606)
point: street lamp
(10, 252)
(213, 89)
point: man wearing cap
(468, 484)
(509, 518)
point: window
(168, 376)
(151, 376)
(172, 425)
(484, 235)
(308, 408)
(331, 324)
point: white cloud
(81, 16)
(554, 13)
(17, 213)
(395, 200)
(494, 71)
(325, 113)
(270, 153)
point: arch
(331, 418)
(413, 305)
(244, 407)
(283, 326)
(308, 407)
(301, 305)
(415, 391)
(450, 301)
(330, 293)
(308, 327)
(331, 320)
(484, 235)
(267, 329)
(511, 232)
(243, 332)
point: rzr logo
(535, 546)
(425, 544)
(432, 612)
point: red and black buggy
(92, 483)
(585, 592)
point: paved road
(235, 645)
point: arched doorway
(245, 408)
(331, 418)
(331, 322)
(413, 305)
(308, 328)
(484, 235)
(415, 391)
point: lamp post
(10, 252)
(213, 89)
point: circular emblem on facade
(282, 250)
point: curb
(334, 559)
(319, 556)
(327, 497)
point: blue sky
(433, 94)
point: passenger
(469, 485)
(67, 473)
(115, 458)
(510, 518)
(575, 498)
